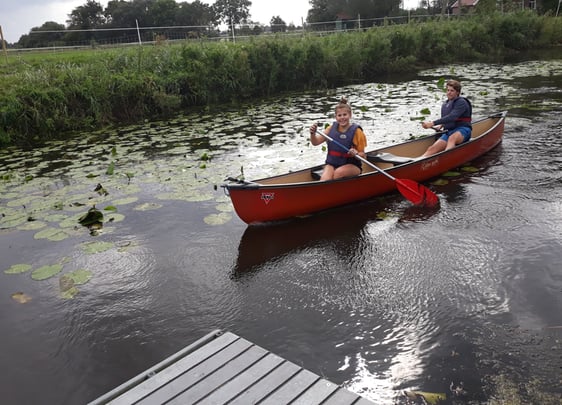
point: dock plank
(243, 381)
(317, 392)
(193, 376)
(149, 385)
(342, 396)
(217, 379)
(268, 384)
(224, 368)
(292, 388)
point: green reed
(46, 96)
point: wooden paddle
(415, 192)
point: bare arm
(315, 139)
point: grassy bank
(46, 96)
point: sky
(18, 17)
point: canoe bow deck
(300, 193)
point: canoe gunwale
(296, 194)
(242, 184)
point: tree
(37, 38)
(90, 15)
(86, 17)
(277, 24)
(232, 11)
(320, 11)
(330, 10)
(161, 13)
(196, 13)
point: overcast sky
(18, 17)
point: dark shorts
(350, 161)
(465, 132)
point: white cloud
(19, 17)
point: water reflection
(376, 296)
(263, 243)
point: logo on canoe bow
(267, 197)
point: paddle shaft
(413, 191)
(357, 156)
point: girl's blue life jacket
(336, 155)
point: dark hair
(455, 84)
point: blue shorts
(465, 132)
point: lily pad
(32, 226)
(80, 276)
(69, 281)
(440, 182)
(45, 272)
(124, 201)
(53, 234)
(430, 398)
(69, 293)
(21, 298)
(225, 207)
(114, 217)
(18, 268)
(470, 169)
(451, 174)
(147, 207)
(96, 247)
(13, 220)
(217, 219)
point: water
(380, 297)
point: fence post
(3, 44)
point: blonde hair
(343, 105)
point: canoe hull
(286, 196)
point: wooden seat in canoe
(388, 158)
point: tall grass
(44, 98)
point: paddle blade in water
(417, 193)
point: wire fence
(131, 36)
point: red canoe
(299, 193)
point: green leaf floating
(45, 272)
(217, 219)
(96, 247)
(451, 174)
(111, 169)
(440, 182)
(69, 281)
(53, 234)
(80, 276)
(431, 398)
(93, 216)
(18, 268)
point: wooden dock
(222, 367)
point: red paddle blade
(417, 193)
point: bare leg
(438, 146)
(347, 170)
(455, 139)
(327, 173)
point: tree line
(125, 21)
